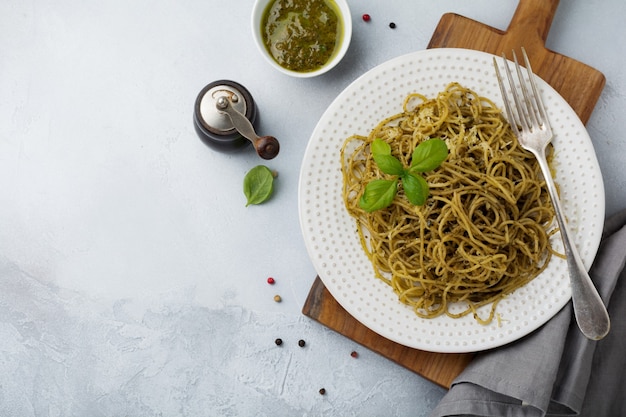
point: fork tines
(528, 113)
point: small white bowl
(346, 18)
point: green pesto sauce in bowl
(302, 35)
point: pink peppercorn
(366, 17)
(271, 280)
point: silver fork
(530, 124)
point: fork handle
(589, 310)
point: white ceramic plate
(330, 233)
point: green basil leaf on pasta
(258, 185)
(380, 147)
(415, 188)
(428, 155)
(381, 151)
(378, 194)
(389, 164)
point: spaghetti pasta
(485, 228)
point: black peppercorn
(322, 391)
(301, 343)
(392, 25)
(278, 342)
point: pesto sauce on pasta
(485, 229)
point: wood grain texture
(440, 368)
(580, 85)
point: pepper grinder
(224, 114)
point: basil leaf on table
(258, 185)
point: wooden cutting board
(578, 83)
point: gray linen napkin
(555, 371)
